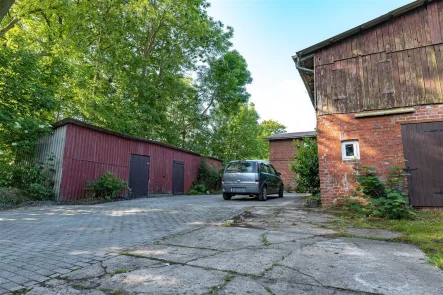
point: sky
(268, 32)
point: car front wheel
(280, 191)
(263, 196)
(227, 196)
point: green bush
(35, 180)
(198, 189)
(209, 179)
(209, 175)
(106, 187)
(13, 196)
(374, 197)
(305, 166)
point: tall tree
(162, 70)
(268, 128)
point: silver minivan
(251, 177)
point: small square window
(350, 150)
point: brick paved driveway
(37, 244)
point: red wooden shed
(84, 152)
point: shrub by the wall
(374, 197)
(34, 180)
(107, 186)
(13, 196)
(305, 166)
(209, 179)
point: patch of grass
(118, 271)
(425, 231)
(228, 223)
(269, 290)
(132, 255)
(64, 278)
(228, 278)
(266, 241)
(213, 290)
(79, 287)
(21, 291)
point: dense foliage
(33, 180)
(107, 186)
(162, 70)
(374, 197)
(209, 179)
(305, 166)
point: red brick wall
(380, 144)
(281, 153)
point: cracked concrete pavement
(271, 248)
(41, 243)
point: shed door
(178, 178)
(423, 148)
(139, 175)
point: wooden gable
(396, 64)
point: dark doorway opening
(139, 175)
(178, 178)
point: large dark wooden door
(139, 175)
(178, 178)
(423, 148)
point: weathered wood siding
(396, 64)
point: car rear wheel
(280, 191)
(227, 196)
(263, 196)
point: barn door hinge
(409, 169)
(438, 193)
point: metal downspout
(300, 68)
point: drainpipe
(302, 69)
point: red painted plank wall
(88, 153)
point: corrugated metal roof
(122, 135)
(291, 135)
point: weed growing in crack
(118, 271)
(79, 287)
(213, 290)
(266, 241)
(21, 292)
(228, 278)
(228, 223)
(269, 290)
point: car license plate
(238, 189)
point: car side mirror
(278, 173)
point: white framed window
(350, 150)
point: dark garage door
(178, 178)
(423, 148)
(139, 175)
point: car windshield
(241, 167)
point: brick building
(282, 151)
(377, 90)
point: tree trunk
(5, 6)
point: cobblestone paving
(37, 244)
